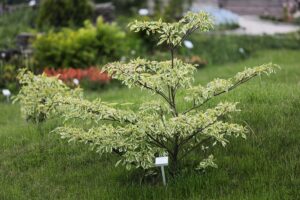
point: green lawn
(37, 165)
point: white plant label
(6, 92)
(76, 81)
(161, 161)
(143, 12)
(188, 44)
(32, 3)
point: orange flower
(92, 74)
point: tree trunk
(174, 165)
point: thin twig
(194, 147)
(217, 94)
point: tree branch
(154, 90)
(159, 143)
(194, 147)
(217, 94)
(184, 141)
(95, 112)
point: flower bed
(68, 75)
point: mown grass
(37, 165)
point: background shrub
(175, 8)
(297, 20)
(84, 47)
(14, 23)
(59, 13)
(220, 48)
(8, 77)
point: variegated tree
(156, 128)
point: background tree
(60, 13)
(156, 128)
(125, 7)
(176, 8)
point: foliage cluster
(43, 89)
(84, 47)
(62, 13)
(157, 128)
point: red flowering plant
(91, 75)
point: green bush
(8, 77)
(84, 47)
(59, 13)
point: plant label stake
(188, 44)
(162, 162)
(6, 93)
(76, 81)
(143, 12)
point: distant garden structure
(279, 9)
(276, 8)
